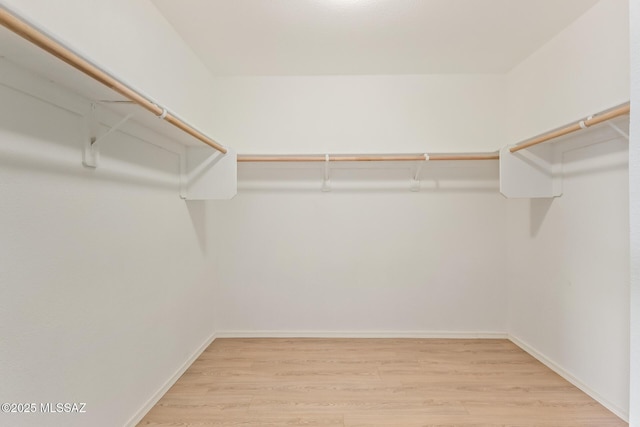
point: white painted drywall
(568, 274)
(568, 284)
(360, 114)
(634, 204)
(581, 71)
(104, 286)
(363, 262)
(133, 41)
(368, 258)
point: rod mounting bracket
(326, 182)
(618, 130)
(91, 153)
(415, 181)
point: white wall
(133, 41)
(581, 71)
(104, 286)
(368, 258)
(567, 258)
(634, 181)
(373, 261)
(360, 114)
(290, 263)
(568, 276)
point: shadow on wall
(41, 138)
(583, 159)
(538, 210)
(135, 174)
(443, 177)
(198, 214)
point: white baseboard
(139, 415)
(569, 377)
(362, 334)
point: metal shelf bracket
(91, 153)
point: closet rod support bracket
(415, 181)
(91, 153)
(326, 182)
(618, 130)
(117, 126)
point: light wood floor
(373, 382)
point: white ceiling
(310, 37)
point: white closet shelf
(36, 64)
(25, 45)
(367, 157)
(523, 173)
(531, 169)
(554, 135)
(534, 168)
(593, 120)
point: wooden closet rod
(583, 124)
(367, 158)
(35, 36)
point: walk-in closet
(336, 213)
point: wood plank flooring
(373, 382)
